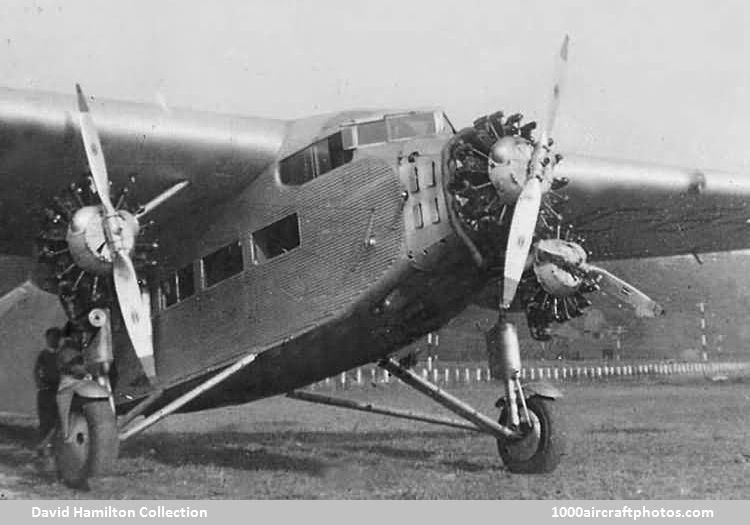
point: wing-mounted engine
(99, 237)
(72, 247)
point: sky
(661, 80)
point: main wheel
(92, 446)
(538, 451)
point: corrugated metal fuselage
(378, 265)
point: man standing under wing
(47, 380)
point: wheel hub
(524, 447)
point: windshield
(412, 125)
(392, 128)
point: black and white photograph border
(374, 250)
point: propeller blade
(526, 212)
(561, 69)
(521, 234)
(134, 311)
(94, 154)
(161, 199)
(627, 293)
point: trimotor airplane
(291, 251)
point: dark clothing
(70, 363)
(46, 373)
(46, 408)
(47, 380)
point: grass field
(675, 438)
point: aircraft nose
(502, 152)
(507, 164)
(487, 166)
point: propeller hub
(93, 238)
(508, 163)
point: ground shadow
(306, 452)
(629, 430)
(24, 435)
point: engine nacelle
(556, 264)
(88, 242)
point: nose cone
(503, 151)
(84, 217)
(508, 164)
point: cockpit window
(393, 128)
(371, 133)
(412, 125)
(315, 160)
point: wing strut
(320, 399)
(187, 397)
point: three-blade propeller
(526, 212)
(119, 233)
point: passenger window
(223, 263)
(276, 239)
(185, 282)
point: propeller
(526, 211)
(94, 155)
(120, 231)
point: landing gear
(535, 452)
(91, 446)
(528, 438)
(538, 444)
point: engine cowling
(557, 266)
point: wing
(41, 153)
(627, 210)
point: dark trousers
(46, 407)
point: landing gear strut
(538, 443)
(526, 432)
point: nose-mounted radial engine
(504, 191)
(489, 164)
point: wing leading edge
(626, 210)
(41, 153)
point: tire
(93, 445)
(540, 450)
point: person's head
(52, 336)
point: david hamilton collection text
(109, 511)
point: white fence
(455, 375)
